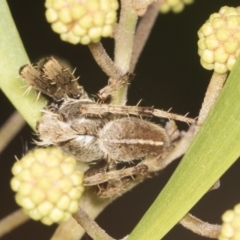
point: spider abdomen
(130, 138)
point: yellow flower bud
(47, 185)
(173, 5)
(231, 224)
(218, 44)
(82, 21)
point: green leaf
(215, 148)
(12, 57)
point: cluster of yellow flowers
(231, 224)
(47, 184)
(219, 40)
(173, 5)
(82, 21)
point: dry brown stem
(214, 88)
(199, 227)
(142, 33)
(10, 128)
(90, 226)
(104, 61)
(12, 221)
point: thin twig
(93, 205)
(12, 221)
(104, 61)
(214, 88)
(10, 128)
(90, 226)
(199, 227)
(69, 230)
(142, 33)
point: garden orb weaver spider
(97, 133)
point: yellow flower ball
(219, 40)
(47, 185)
(231, 224)
(82, 21)
(175, 6)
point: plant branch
(93, 205)
(199, 227)
(214, 88)
(143, 31)
(90, 226)
(10, 128)
(124, 36)
(12, 221)
(104, 61)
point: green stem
(215, 148)
(13, 56)
(124, 44)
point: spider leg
(113, 86)
(100, 109)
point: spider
(109, 138)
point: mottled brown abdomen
(130, 138)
